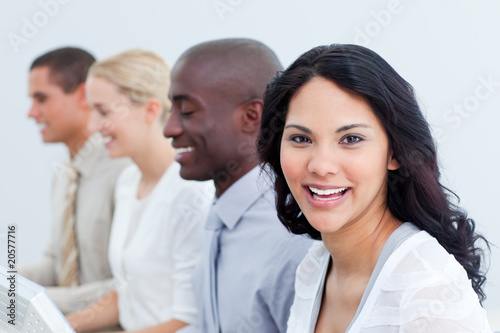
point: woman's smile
(328, 197)
(334, 156)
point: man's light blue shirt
(257, 260)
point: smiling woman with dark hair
(356, 167)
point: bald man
(245, 282)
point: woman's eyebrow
(339, 130)
(302, 128)
(351, 126)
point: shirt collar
(89, 155)
(238, 198)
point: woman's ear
(153, 110)
(392, 163)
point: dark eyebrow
(180, 98)
(348, 127)
(339, 130)
(39, 95)
(97, 105)
(302, 128)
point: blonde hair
(139, 74)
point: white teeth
(107, 139)
(325, 199)
(42, 126)
(327, 192)
(183, 150)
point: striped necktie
(68, 276)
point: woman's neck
(356, 247)
(153, 161)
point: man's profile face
(52, 108)
(202, 122)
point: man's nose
(173, 127)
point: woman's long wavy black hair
(414, 192)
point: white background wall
(447, 49)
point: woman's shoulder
(421, 261)
(172, 189)
(172, 179)
(422, 284)
(422, 253)
(129, 176)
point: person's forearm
(73, 299)
(101, 314)
(168, 327)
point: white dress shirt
(153, 270)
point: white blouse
(153, 270)
(420, 288)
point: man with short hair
(245, 282)
(75, 266)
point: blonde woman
(157, 228)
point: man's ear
(250, 115)
(153, 110)
(81, 96)
(392, 163)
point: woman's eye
(350, 139)
(299, 139)
(103, 113)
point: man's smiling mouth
(181, 150)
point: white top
(153, 272)
(138, 208)
(420, 288)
